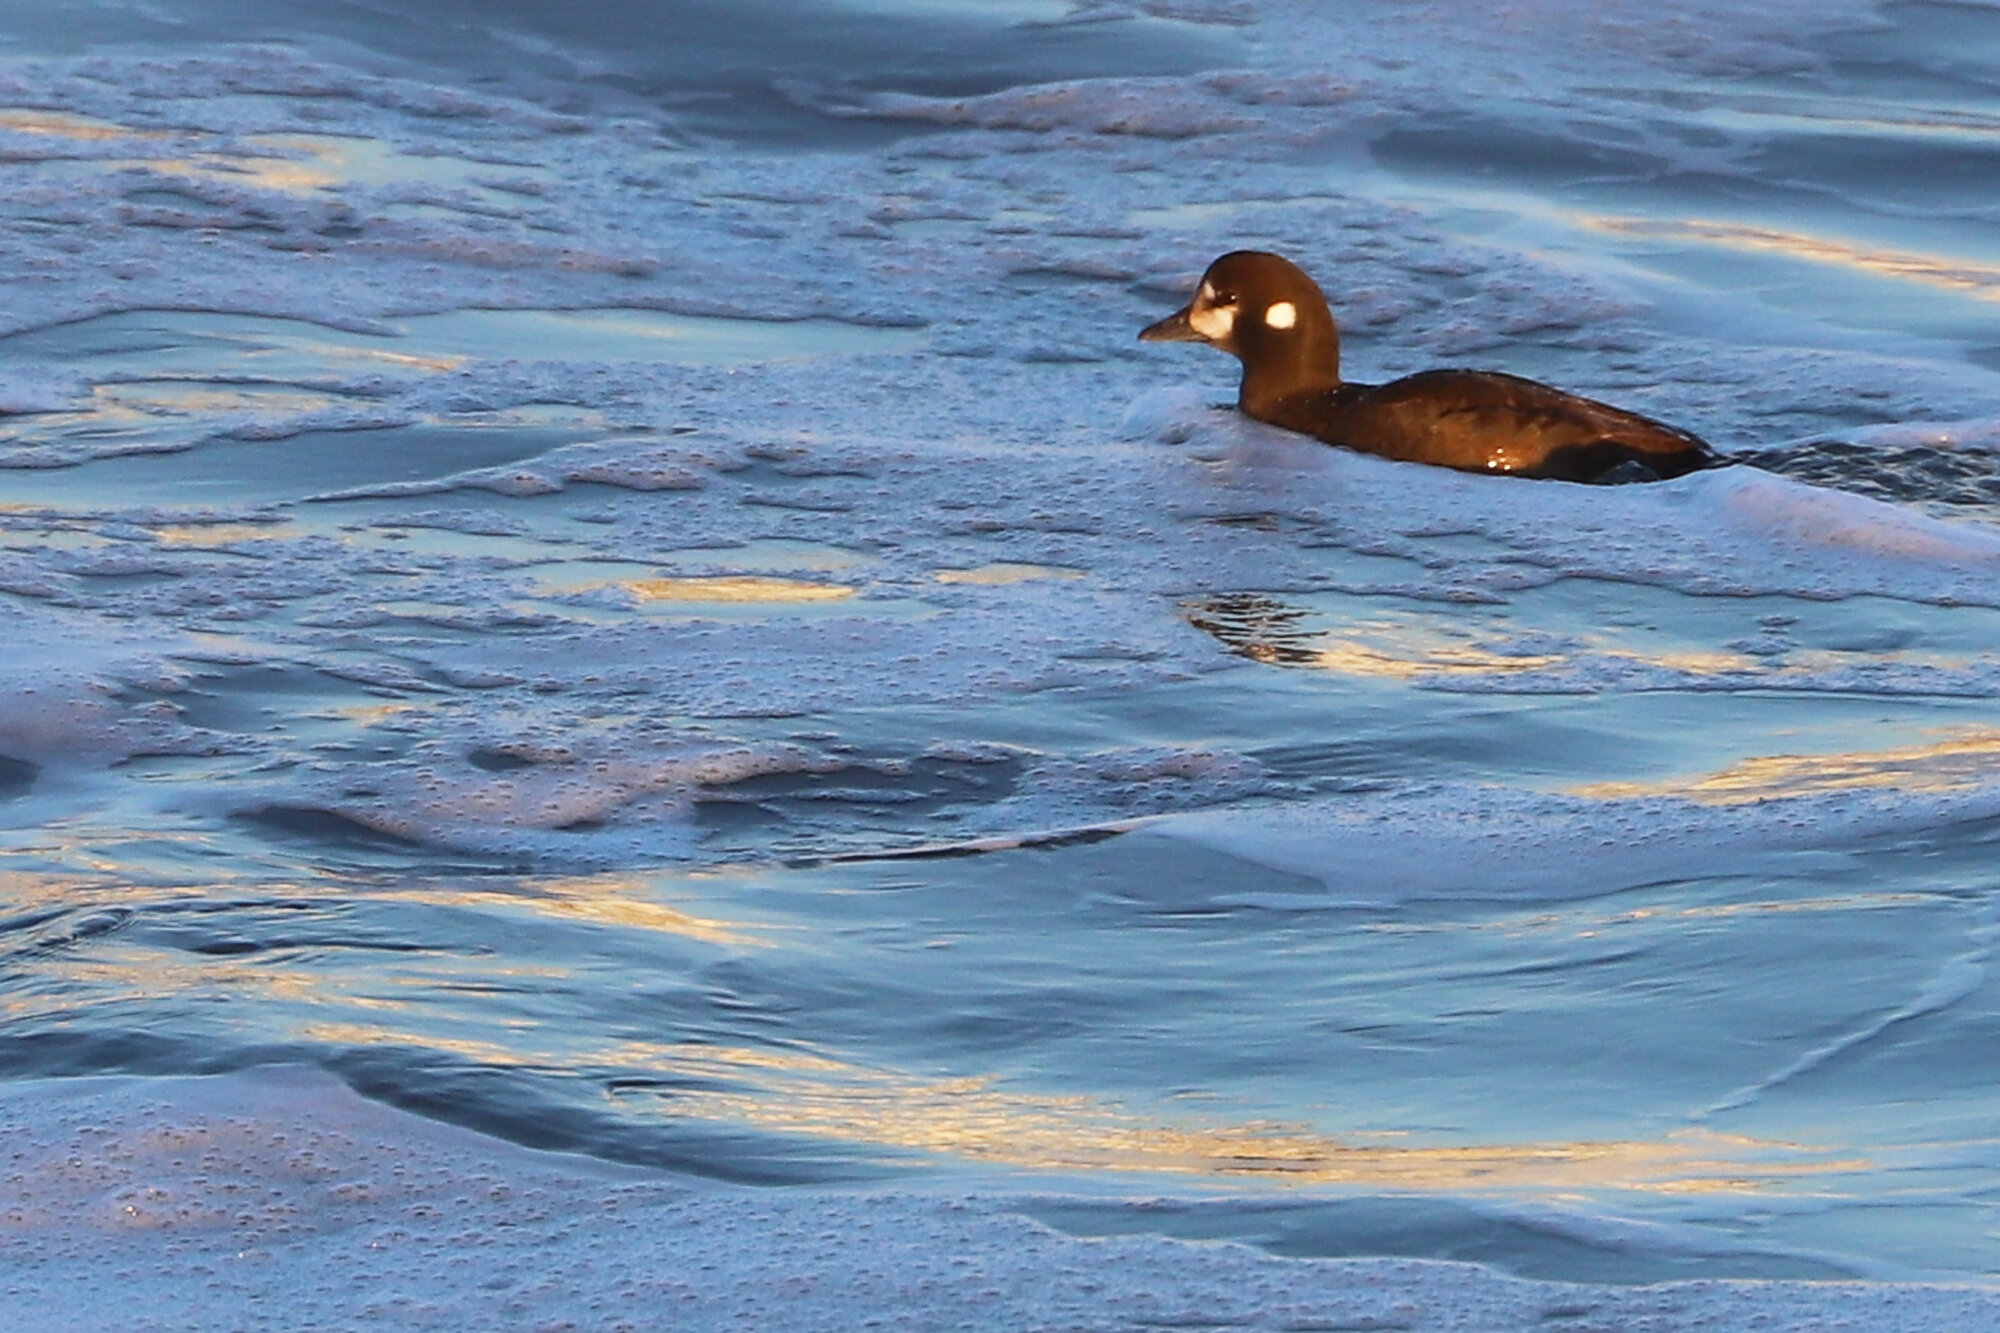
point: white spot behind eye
(1282, 315)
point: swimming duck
(1262, 309)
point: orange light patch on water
(193, 398)
(1981, 281)
(1404, 656)
(1266, 629)
(288, 175)
(614, 900)
(372, 714)
(294, 164)
(717, 1059)
(732, 588)
(355, 1034)
(971, 1118)
(1847, 116)
(1970, 759)
(66, 126)
(222, 534)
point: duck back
(1489, 421)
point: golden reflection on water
(1981, 281)
(222, 534)
(1270, 630)
(626, 900)
(1266, 629)
(613, 900)
(1401, 655)
(1969, 759)
(67, 126)
(1412, 646)
(291, 163)
(355, 1034)
(141, 403)
(1821, 114)
(271, 173)
(970, 1118)
(732, 588)
(372, 714)
(440, 363)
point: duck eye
(1224, 298)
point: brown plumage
(1264, 310)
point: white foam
(1773, 508)
(644, 793)
(65, 683)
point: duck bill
(1173, 329)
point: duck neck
(1309, 370)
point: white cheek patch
(1282, 315)
(1213, 322)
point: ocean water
(612, 576)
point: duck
(1265, 311)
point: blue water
(663, 614)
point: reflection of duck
(1253, 625)
(1263, 310)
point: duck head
(1262, 309)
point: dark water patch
(30, 920)
(194, 346)
(499, 761)
(319, 825)
(125, 1042)
(281, 471)
(207, 348)
(331, 461)
(212, 927)
(1486, 148)
(559, 1112)
(951, 851)
(806, 814)
(1898, 169)
(237, 929)
(82, 927)
(335, 841)
(1036, 280)
(1930, 51)
(261, 697)
(1378, 763)
(61, 928)
(721, 67)
(1420, 1228)
(1913, 474)
(16, 777)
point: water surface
(648, 609)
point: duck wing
(1489, 421)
